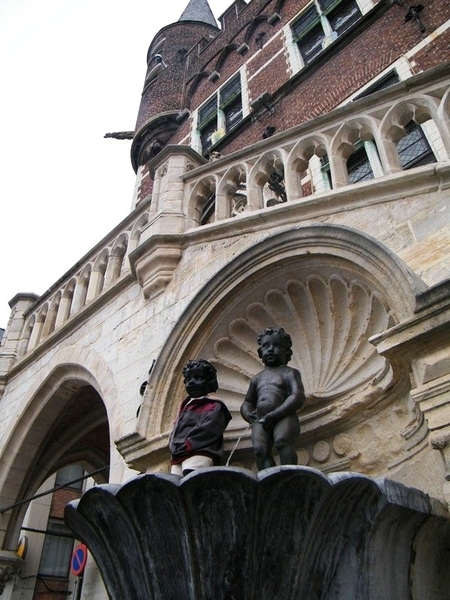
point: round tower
(163, 93)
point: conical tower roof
(199, 10)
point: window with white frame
(221, 113)
(321, 23)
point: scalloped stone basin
(285, 533)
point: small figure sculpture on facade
(274, 190)
(197, 437)
(273, 399)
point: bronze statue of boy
(197, 437)
(272, 400)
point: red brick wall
(46, 589)
(165, 93)
(316, 89)
(59, 500)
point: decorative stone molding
(243, 48)
(10, 565)
(154, 262)
(214, 76)
(285, 533)
(274, 18)
(331, 300)
(423, 343)
(434, 402)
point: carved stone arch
(225, 53)
(344, 140)
(50, 321)
(443, 120)
(116, 259)
(81, 289)
(97, 279)
(343, 145)
(136, 231)
(41, 441)
(202, 192)
(193, 86)
(69, 288)
(367, 126)
(332, 288)
(65, 306)
(42, 314)
(253, 26)
(85, 273)
(38, 327)
(231, 197)
(418, 109)
(120, 244)
(26, 336)
(393, 128)
(101, 261)
(268, 163)
(298, 161)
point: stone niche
(332, 291)
(287, 533)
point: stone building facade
(292, 169)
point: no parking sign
(79, 558)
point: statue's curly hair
(282, 333)
(208, 369)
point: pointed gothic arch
(68, 415)
(253, 26)
(225, 53)
(193, 86)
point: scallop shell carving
(330, 322)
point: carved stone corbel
(10, 565)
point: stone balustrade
(302, 163)
(34, 319)
(313, 158)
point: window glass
(206, 135)
(312, 27)
(220, 113)
(69, 473)
(325, 169)
(344, 16)
(305, 21)
(230, 90)
(311, 44)
(233, 114)
(358, 166)
(389, 79)
(208, 110)
(413, 149)
(324, 4)
(57, 550)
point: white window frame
(293, 51)
(196, 142)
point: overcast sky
(70, 71)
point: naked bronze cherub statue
(273, 399)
